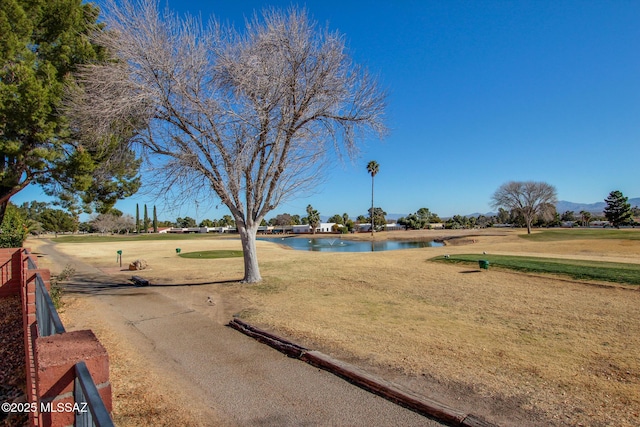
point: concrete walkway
(246, 383)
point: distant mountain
(561, 207)
(595, 208)
(477, 214)
(395, 216)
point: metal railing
(90, 409)
(31, 265)
(47, 318)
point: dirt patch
(12, 363)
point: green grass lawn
(576, 269)
(582, 234)
(212, 254)
(97, 238)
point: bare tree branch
(530, 199)
(251, 116)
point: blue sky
(480, 93)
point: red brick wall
(10, 269)
(56, 357)
(50, 361)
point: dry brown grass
(142, 396)
(544, 350)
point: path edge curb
(351, 373)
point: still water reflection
(344, 245)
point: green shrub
(56, 289)
(11, 240)
(13, 231)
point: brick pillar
(56, 357)
(10, 271)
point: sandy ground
(507, 373)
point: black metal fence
(47, 318)
(90, 410)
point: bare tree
(530, 199)
(125, 223)
(105, 223)
(251, 116)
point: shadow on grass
(171, 285)
(95, 284)
(92, 284)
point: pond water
(343, 245)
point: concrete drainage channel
(364, 380)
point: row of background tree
(40, 217)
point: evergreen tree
(186, 222)
(137, 219)
(13, 230)
(57, 221)
(42, 43)
(336, 219)
(379, 218)
(617, 211)
(155, 220)
(418, 220)
(146, 220)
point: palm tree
(372, 167)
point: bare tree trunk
(372, 207)
(250, 254)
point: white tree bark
(250, 254)
(251, 117)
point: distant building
(299, 229)
(599, 224)
(323, 227)
(203, 230)
(394, 227)
(362, 228)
